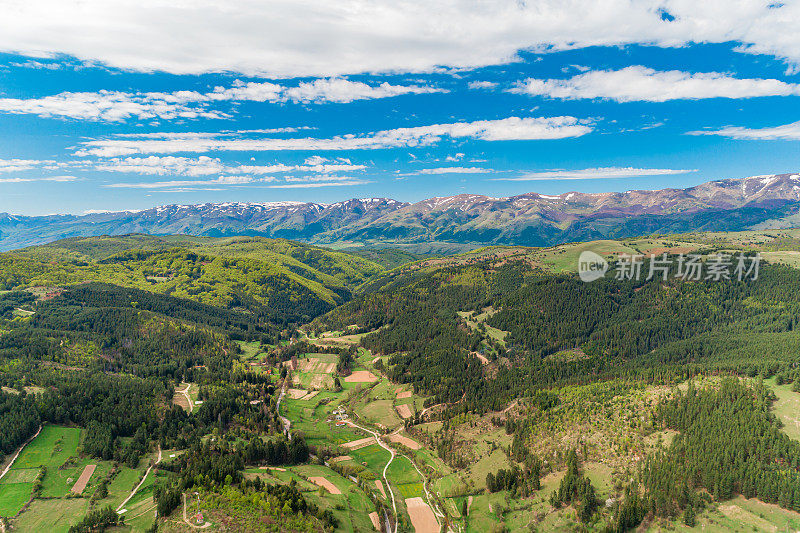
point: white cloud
(481, 85)
(596, 173)
(454, 170)
(222, 180)
(46, 178)
(16, 165)
(109, 106)
(787, 132)
(205, 166)
(307, 185)
(115, 106)
(638, 83)
(289, 38)
(336, 90)
(453, 158)
(512, 128)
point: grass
(787, 408)
(53, 446)
(21, 475)
(600, 476)
(411, 490)
(379, 412)
(13, 496)
(401, 471)
(311, 419)
(249, 350)
(53, 516)
(122, 484)
(373, 455)
(741, 515)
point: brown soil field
(310, 395)
(405, 441)
(360, 443)
(404, 410)
(422, 517)
(295, 394)
(322, 482)
(379, 486)
(361, 376)
(375, 520)
(84, 478)
(339, 459)
(181, 401)
(406, 394)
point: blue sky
(119, 105)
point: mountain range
(758, 202)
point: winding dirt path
(147, 473)
(385, 468)
(185, 393)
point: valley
(251, 384)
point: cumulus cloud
(111, 106)
(205, 166)
(16, 165)
(786, 132)
(596, 173)
(115, 106)
(290, 38)
(512, 128)
(638, 83)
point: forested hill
(281, 281)
(536, 324)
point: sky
(109, 105)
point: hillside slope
(278, 280)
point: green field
(51, 448)
(13, 496)
(401, 472)
(52, 516)
(374, 457)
